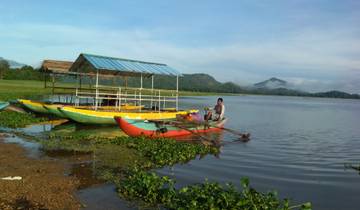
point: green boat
(34, 106)
(3, 105)
(106, 117)
(54, 109)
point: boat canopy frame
(96, 66)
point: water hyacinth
(160, 191)
(18, 120)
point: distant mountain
(13, 64)
(192, 82)
(336, 94)
(272, 83)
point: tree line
(23, 73)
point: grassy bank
(13, 89)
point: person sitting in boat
(219, 110)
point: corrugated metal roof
(127, 65)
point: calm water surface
(299, 147)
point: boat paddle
(242, 136)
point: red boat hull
(134, 131)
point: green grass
(14, 89)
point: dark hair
(220, 99)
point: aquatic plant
(18, 120)
(160, 152)
(156, 190)
(164, 151)
(134, 182)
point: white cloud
(319, 57)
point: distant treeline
(189, 82)
(23, 73)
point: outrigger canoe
(3, 105)
(87, 116)
(34, 106)
(55, 108)
(152, 129)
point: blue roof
(128, 66)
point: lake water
(299, 147)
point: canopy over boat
(87, 63)
(152, 129)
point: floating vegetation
(18, 120)
(135, 183)
(163, 151)
(160, 191)
(160, 152)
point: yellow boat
(34, 106)
(55, 108)
(41, 107)
(87, 116)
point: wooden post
(141, 87)
(96, 89)
(80, 82)
(44, 79)
(53, 84)
(152, 91)
(177, 92)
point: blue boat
(3, 105)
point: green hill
(189, 82)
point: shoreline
(43, 182)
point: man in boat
(219, 111)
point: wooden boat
(87, 116)
(155, 129)
(55, 108)
(34, 106)
(3, 105)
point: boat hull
(54, 109)
(135, 128)
(3, 105)
(86, 116)
(34, 106)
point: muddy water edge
(54, 178)
(42, 184)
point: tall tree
(4, 66)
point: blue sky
(314, 44)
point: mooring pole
(96, 89)
(141, 87)
(152, 91)
(177, 92)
